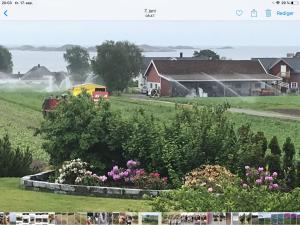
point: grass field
(17, 200)
(258, 103)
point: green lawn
(15, 199)
(259, 103)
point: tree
(207, 54)
(274, 146)
(6, 63)
(78, 60)
(117, 63)
(273, 163)
(14, 162)
(289, 163)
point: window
(283, 68)
(294, 85)
(155, 86)
(257, 85)
(151, 85)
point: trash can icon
(268, 13)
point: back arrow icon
(5, 13)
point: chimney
(181, 55)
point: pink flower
(269, 178)
(260, 169)
(116, 177)
(270, 187)
(210, 190)
(103, 178)
(165, 179)
(275, 186)
(140, 172)
(247, 174)
(275, 174)
(115, 169)
(155, 174)
(258, 181)
(131, 164)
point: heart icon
(239, 12)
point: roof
(269, 63)
(37, 73)
(147, 60)
(212, 70)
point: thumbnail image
(150, 218)
(100, 218)
(128, 218)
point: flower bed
(39, 182)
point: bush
(77, 172)
(233, 199)
(261, 178)
(214, 177)
(14, 162)
(150, 181)
(82, 129)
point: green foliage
(298, 173)
(234, 199)
(206, 54)
(117, 63)
(14, 162)
(145, 141)
(78, 62)
(82, 129)
(274, 146)
(150, 181)
(289, 166)
(6, 63)
(273, 162)
(251, 149)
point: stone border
(37, 182)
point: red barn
(286, 68)
(212, 77)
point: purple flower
(258, 181)
(116, 177)
(115, 169)
(131, 164)
(269, 178)
(125, 174)
(271, 187)
(275, 174)
(260, 169)
(275, 186)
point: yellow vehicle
(95, 90)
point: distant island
(144, 48)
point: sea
(54, 60)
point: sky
(157, 33)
